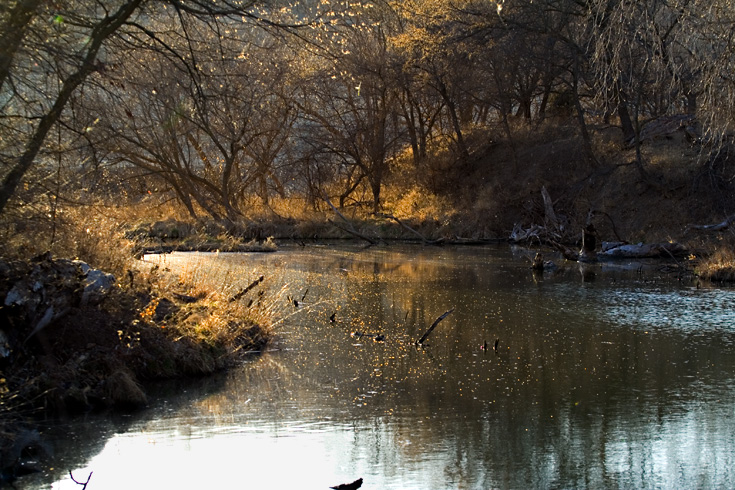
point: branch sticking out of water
(244, 291)
(83, 484)
(350, 229)
(432, 327)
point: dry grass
(209, 313)
(719, 266)
(154, 323)
(90, 233)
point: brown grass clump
(90, 233)
(719, 266)
(121, 388)
(153, 324)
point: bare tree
(39, 77)
(348, 103)
(49, 51)
(433, 48)
(639, 63)
(205, 114)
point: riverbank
(76, 339)
(322, 383)
(671, 189)
(152, 325)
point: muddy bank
(74, 339)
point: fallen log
(644, 250)
(433, 326)
(349, 229)
(724, 225)
(566, 252)
(422, 237)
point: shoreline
(101, 356)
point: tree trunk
(586, 139)
(101, 31)
(626, 123)
(462, 148)
(185, 199)
(12, 33)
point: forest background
(216, 123)
(451, 117)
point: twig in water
(433, 326)
(244, 291)
(84, 485)
(351, 229)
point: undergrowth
(153, 323)
(719, 264)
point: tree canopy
(227, 102)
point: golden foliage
(720, 266)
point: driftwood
(432, 327)
(422, 237)
(551, 219)
(622, 250)
(566, 252)
(644, 250)
(520, 234)
(716, 227)
(556, 230)
(245, 290)
(349, 229)
(549, 232)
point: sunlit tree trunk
(101, 31)
(12, 31)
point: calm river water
(616, 376)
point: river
(605, 376)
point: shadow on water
(608, 376)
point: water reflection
(623, 381)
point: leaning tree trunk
(454, 117)
(99, 34)
(586, 139)
(626, 124)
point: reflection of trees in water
(74, 441)
(571, 399)
(536, 415)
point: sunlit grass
(227, 305)
(718, 267)
(154, 323)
